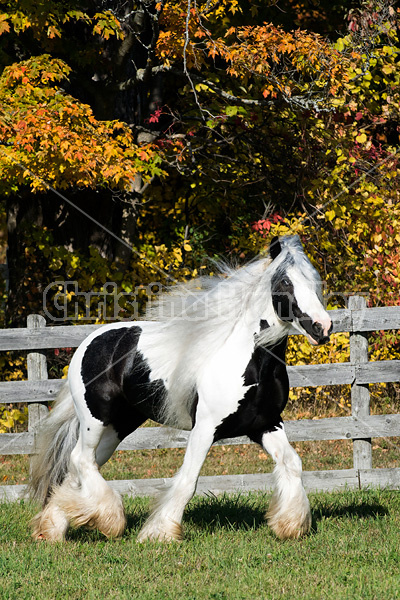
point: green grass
(229, 553)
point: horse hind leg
(51, 523)
(84, 497)
(87, 498)
(289, 513)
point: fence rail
(359, 427)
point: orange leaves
(4, 25)
(57, 139)
(35, 72)
(49, 23)
(107, 25)
(284, 59)
(184, 32)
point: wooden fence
(360, 427)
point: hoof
(290, 521)
(286, 529)
(46, 527)
(161, 532)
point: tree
(196, 128)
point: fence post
(37, 369)
(360, 396)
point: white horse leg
(91, 501)
(84, 497)
(289, 511)
(164, 523)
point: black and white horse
(213, 363)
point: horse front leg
(289, 513)
(164, 522)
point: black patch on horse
(282, 291)
(275, 247)
(117, 381)
(260, 409)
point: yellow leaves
(53, 32)
(341, 44)
(4, 25)
(10, 417)
(388, 69)
(107, 25)
(74, 262)
(58, 139)
(361, 138)
(49, 23)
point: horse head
(296, 290)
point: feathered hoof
(102, 510)
(50, 525)
(161, 532)
(110, 524)
(289, 522)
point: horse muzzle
(319, 336)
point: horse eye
(285, 281)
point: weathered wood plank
(37, 370)
(376, 319)
(219, 484)
(378, 372)
(343, 428)
(313, 481)
(148, 438)
(360, 396)
(17, 443)
(317, 375)
(344, 373)
(299, 376)
(370, 478)
(341, 320)
(10, 493)
(70, 336)
(29, 391)
(335, 428)
(64, 336)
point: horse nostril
(317, 329)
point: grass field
(229, 553)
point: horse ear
(275, 247)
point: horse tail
(57, 438)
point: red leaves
(263, 226)
(155, 116)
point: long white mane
(197, 318)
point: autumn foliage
(269, 122)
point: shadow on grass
(369, 510)
(227, 512)
(242, 512)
